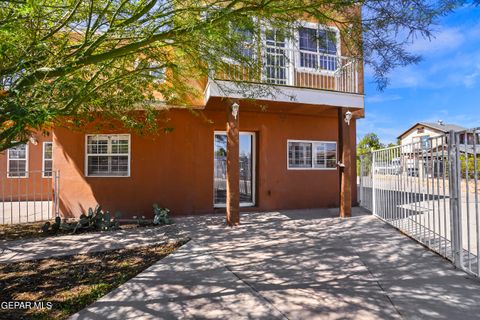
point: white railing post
(361, 181)
(56, 192)
(355, 76)
(291, 66)
(374, 193)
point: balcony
(292, 75)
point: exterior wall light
(33, 140)
(348, 117)
(235, 107)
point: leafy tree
(67, 62)
(368, 143)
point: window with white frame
(244, 48)
(108, 155)
(312, 155)
(157, 72)
(276, 64)
(318, 47)
(299, 154)
(17, 161)
(47, 159)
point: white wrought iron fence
(28, 196)
(430, 191)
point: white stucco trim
(229, 89)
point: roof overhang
(280, 93)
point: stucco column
(233, 165)
(345, 167)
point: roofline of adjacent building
(425, 124)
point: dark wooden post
(233, 165)
(345, 153)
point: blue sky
(444, 86)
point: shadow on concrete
(305, 264)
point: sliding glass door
(247, 169)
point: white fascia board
(229, 89)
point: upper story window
(17, 161)
(157, 72)
(276, 64)
(47, 159)
(108, 155)
(425, 142)
(318, 47)
(312, 155)
(421, 142)
(245, 41)
(246, 46)
(152, 69)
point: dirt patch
(34, 230)
(74, 282)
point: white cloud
(461, 119)
(450, 59)
(379, 98)
(443, 41)
(471, 79)
(458, 69)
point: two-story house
(427, 143)
(296, 151)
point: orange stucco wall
(175, 169)
(35, 187)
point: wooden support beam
(233, 165)
(345, 152)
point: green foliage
(470, 165)
(69, 62)
(368, 143)
(95, 220)
(161, 215)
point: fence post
(56, 191)
(374, 193)
(454, 186)
(361, 181)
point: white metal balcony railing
(297, 68)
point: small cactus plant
(93, 219)
(46, 227)
(160, 215)
(56, 225)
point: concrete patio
(305, 264)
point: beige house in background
(425, 146)
(420, 133)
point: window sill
(106, 176)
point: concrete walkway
(33, 249)
(294, 265)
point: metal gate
(430, 191)
(28, 197)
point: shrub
(160, 215)
(95, 219)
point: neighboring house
(284, 156)
(427, 143)
(421, 132)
